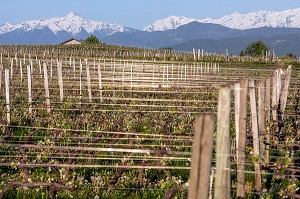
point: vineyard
(114, 122)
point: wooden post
(223, 178)
(261, 115)
(60, 81)
(74, 68)
(7, 94)
(47, 93)
(131, 76)
(40, 68)
(80, 82)
(242, 140)
(29, 89)
(11, 67)
(256, 140)
(88, 77)
(21, 70)
(211, 182)
(284, 90)
(268, 118)
(201, 157)
(237, 112)
(1, 70)
(51, 67)
(100, 83)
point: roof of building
(69, 41)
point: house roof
(69, 41)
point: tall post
(268, 118)
(100, 83)
(7, 94)
(202, 152)
(223, 178)
(29, 89)
(88, 77)
(21, 70)
(284, 89)
(237, 112)
(254, 122)
(47, 93)
(60, 81)
(261, 115)
(1, 70)
(80, 82)
(242, 140)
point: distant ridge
(282, 19)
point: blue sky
(134, 13)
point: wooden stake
(80, 82)
(29, 89)
(223, 178)
(100, 83)
(21, 71)
(242, 140)
(7, 94)
(237, 112)
(268, 118)
(47, 93)
(60, 81)
(88, 76)
(261, 115)
(1, 70)
(255, 134)
(202, 152)
(284, 90)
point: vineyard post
(60, 81)
(185, 71)
(123, 73)
(1, 59)
(153, 68)
(11, 67)
(131, 76)
(51, 67)
(194, 54)
(268, 117)
(7, 94)
(223, 178)
(201, 156)
(29, 89)
(88, 76)
(163, 78)
(1, 70)
(47, 93)
(74, 68)
(284, 90)
(242, 139)
(211, 182)
(80, 82)
(100, 83)
(201, 69)
(254, 122)
(237, 113)
(261, 115)
(114, 77)
(40, 68)
(21, 70)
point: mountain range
(280, 30)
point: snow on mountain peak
(283, 19)
(73, 23)
(171, 22)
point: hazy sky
(134, 13)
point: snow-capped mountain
(282, 19)
(72, 24)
